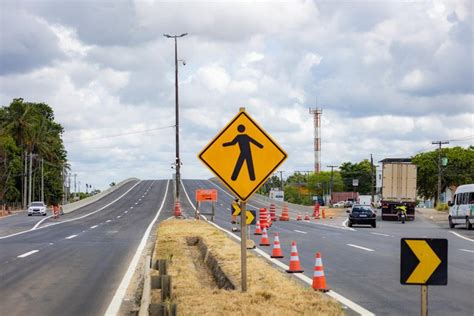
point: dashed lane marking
(380, 234)
(108, 221)
(119, 216)
(299, 231)
(27, 253)
(92, 227)
(360, 247)
(71, 237)
(467, 250)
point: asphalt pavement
(73, 266)
(363, 263)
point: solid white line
(114, 305)
(41, 221)
(71, 237)
(363, 248)
(461, 236)
(467, 250)
(74, 219)
(92, 227)
(299, 231)
(343, 300)
(380, 234)
(27, 254)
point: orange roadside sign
(209, 195)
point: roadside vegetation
(29, 128)
(270, 291)
(300, 187)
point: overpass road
(74, 266)
(363, 264)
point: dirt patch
(270, 292)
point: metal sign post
(243, 246)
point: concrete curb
(68, 208)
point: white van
(461, 209)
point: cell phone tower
(317, 137)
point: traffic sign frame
(243, 197)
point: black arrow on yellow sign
(424, 261)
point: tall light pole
(178, 161)
(439, 143)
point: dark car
(361, 215)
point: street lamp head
(168, 36)
(184, 34)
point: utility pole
(281, 179)
(177, 161)
(372, 175)
(439, 143)
(332, 180)
(42, 179)
(64, 185)
(30, 183)
(75, 186)
(25, 180)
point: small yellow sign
(242, 155)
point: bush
(442, 207)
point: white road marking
(114, 305)
(71, 237)
(119, 216)
(136, 203)
(343, 300)
(108, 221)
(125, 212)
(27, 254)
(74, 219)
(467, 250)
(51, 244)
(380, 234)
(299, 231)
(461, 236)
(131, 206)
(41, 221)
(92, 227)
(360, 247)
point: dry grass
(270, 292)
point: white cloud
(390, 77)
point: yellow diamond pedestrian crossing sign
(242, 155)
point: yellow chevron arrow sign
(429, 261)
(424, 261)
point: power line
(119, 135)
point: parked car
(361, 215)
(37, 208)
(339, 204)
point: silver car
(37, 208)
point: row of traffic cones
(271, 216)
(319, 279)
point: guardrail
(67, 208)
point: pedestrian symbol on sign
(244, 141)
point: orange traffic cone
(294, 260)
(298, 217)
(258, 230)
(264, 241)
(316, 211)
(306, 217)
(177, 209)
(284, 214)
(273, 212)
(276, 251)
(319, 280)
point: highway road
(362, 263)
(74, 265)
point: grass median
(270, 291)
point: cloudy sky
(390, 76)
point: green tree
(361, 171)
(32, 128)
(459, 170)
